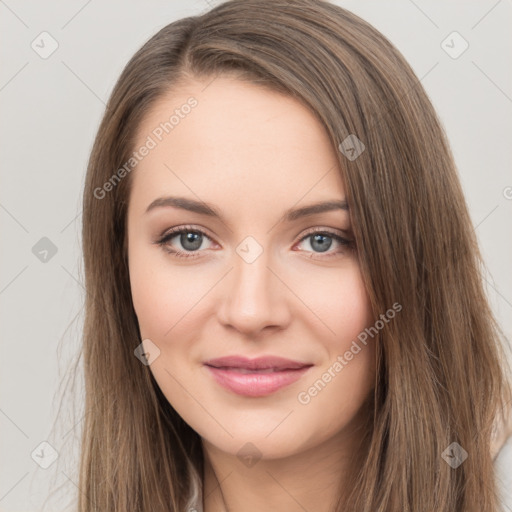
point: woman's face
(255, 280)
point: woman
(230, 364)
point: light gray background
(51, 109)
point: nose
(254, 297)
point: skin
(253, 154)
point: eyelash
(162, 242)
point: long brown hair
(440, 377)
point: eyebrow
(207, 209)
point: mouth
(268, 362)
(257, 372)
(255, 382)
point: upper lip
(259, 363)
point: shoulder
(502, 455)
(502, 432)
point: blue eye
(323, 241)
(191, 239)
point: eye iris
(323, 245)
(189, 237)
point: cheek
(343, 313)
(339, 302)
(330, 400)
(150, 295)
(162, 294)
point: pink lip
(256, 383)
(256, 377)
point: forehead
(239, 144)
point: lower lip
(256, 384)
